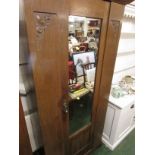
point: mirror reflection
(83, 45)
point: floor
(127, 147)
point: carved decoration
(116, 26)
(42, 21)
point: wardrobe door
(47, 26)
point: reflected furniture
(72, 73)
(79, 93)
(86, 67)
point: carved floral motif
(116, 26)
(42, 22)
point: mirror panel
(83, 45)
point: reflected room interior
(83, 45)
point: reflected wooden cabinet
(48, 35)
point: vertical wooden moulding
(112, 40)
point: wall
(125, 61)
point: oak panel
(80, 140)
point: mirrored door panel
(83, 47)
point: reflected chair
(87, 67)
(72, 73)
